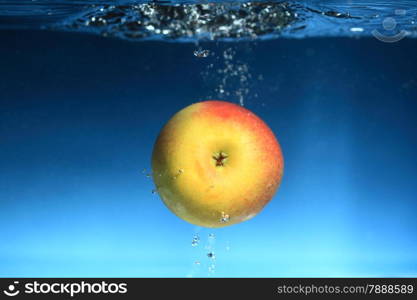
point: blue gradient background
(79, 115)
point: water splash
(230, 21)
(186, 21)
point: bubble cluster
(230, 77)
(224, 218)
(200, 53)
(195, 241)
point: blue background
(79, 115)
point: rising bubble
(195, 241)
(224, 218)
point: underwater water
(83, 96)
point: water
(203, 256)
(82, 101)
(193, 20)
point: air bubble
(146, 173)
(195, 241)
(234, 77)
(356, 29)
(225, 218)
(200, 53)
(212, 268)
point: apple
(216, 163)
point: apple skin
(216, 164)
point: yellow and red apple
(216, 163)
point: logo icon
(11, 290)
(389, 24)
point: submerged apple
(216, 164)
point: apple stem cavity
(220, 158)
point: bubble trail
(231, 78)
(195, 241)
(210, 247)
(196, 261)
